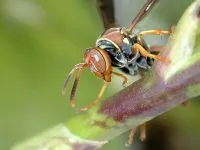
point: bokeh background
(41, 40)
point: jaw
(105, 77)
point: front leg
(92, 104)
(125, 79)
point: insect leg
(153, 32)
(186, 103)
(156, 48)
(143, 132)
(131, 136)
(144, 53)
(122, 76)
(103, 88)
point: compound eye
(95, 60)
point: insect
(117, 47)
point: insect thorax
(119, 48)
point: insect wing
(106, 11)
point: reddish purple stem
(149, 99)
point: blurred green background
(40, 41)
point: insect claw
(142, 136)
(82, 109)
(131, 136)
(185, 103)
(125, 82)
(63, 92)
(143, 132)
(72, 104)
(172, 29)
(164, 59)
(127, 145)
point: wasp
(121, 48)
